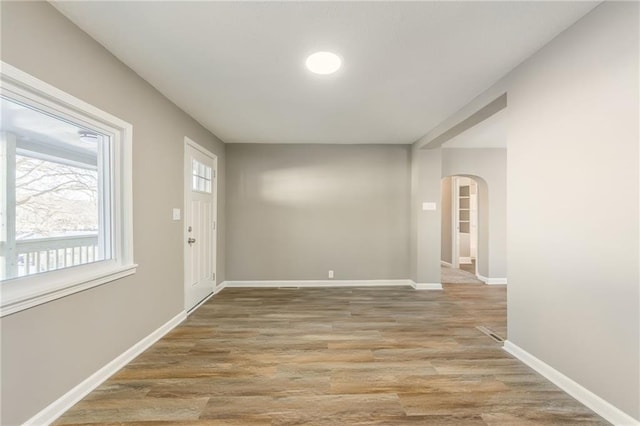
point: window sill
(17, 295)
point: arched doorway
(460, 250)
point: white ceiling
(490, 133)
(238, 67)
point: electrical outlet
(428, 206)
(330, 273)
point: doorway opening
(460, 229)
(466, 215)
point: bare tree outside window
(54, 199)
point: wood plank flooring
(339, 356)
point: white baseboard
(585, 396)
(332, 283)
(426, 286)
(447, 264)
(491, 281)
(466, 261)
(49, 414)
(217, 289)
(220, 287)
(318, 283)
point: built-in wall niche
(464, 209)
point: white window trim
(25, 292)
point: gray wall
(48, 349)
(573, 191)
(572, 202)
(296, 211)
(489, 164)
(446, 232)
(425, 224)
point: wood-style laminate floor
(338, 356)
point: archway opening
(460, 252)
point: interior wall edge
(576, 390)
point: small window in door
(200, 177)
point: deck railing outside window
(47, 254)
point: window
(65, 193)
(201, 177)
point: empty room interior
(324, 213)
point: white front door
(199, 223)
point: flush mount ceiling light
(323, 63)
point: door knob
(191, 241)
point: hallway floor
(334, 356)
(469, 267)
(464, 275)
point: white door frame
(474, 200)
(186, 189)
(455, 225)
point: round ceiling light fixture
(323, 63)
